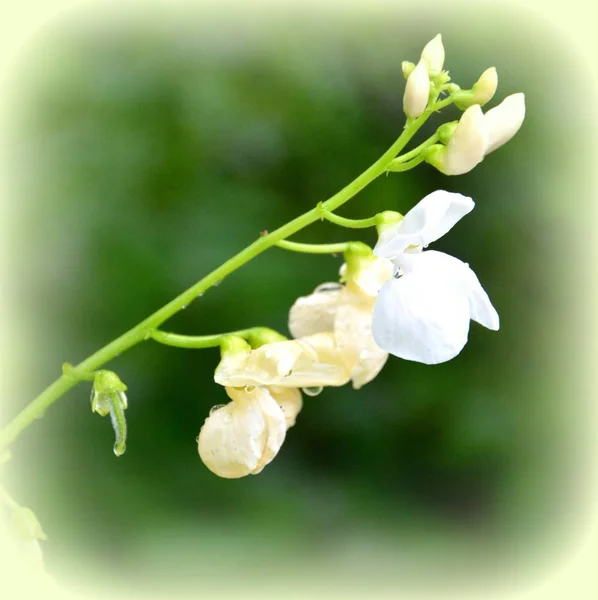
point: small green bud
(108, 398)
(25, 525)
(445, 131)
(435, 156)
(407, 68)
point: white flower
(313, 361)
(478, 134)
(417, 91)
(243, 436)
(347, 312)
(423, 315)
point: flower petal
(428, 220)
(424, 315)
(353, 332)
(290, 401)
(311, 361)
(233, 439)
(480, 306)
(314, 313)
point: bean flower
(423, 313)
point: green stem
(197, 341)
(350, 223)
(415, 152)
(142, 331)
(314, 248)
(398, 167)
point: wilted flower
(423, 314)
(243, 436)
(312, 361)
(347, 312)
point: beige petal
(276, 423)
(353, 332)
(233, 439)
(290, 400)
(314, 313)
(312, 361)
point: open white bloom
(417, 91)
(313, 361)
(243, 436)
(423, 314)
(347, 312)
(478, 134)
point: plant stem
(196, 341)
(143, 330)
(349, 223)
(338, 248)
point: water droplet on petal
(217, 407)
(312, 391)
(249, 389)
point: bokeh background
(146, 152)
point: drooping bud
(482, 91)
(504, 120)
(433, 54)
(417, 91)
(243, 436)
(108, 398)
(466, 147)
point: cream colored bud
(504, 120)
(433, 54)
(242, 437)
(289, 400)
(407, 68)
(485, 87)
(467, 145)
(417, 91)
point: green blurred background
(148, 152)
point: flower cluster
(398, 298)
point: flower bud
(504, 120)
(407, 68)
(465, 149)
(433, 54)
(417, 91)
(481, 92)
(243, 436)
